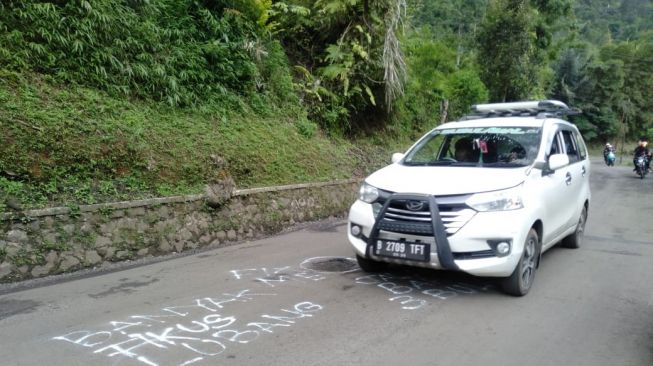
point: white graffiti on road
(277, 275)
(413, 293)
(195, 332)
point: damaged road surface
(300, 299)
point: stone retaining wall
(38, 243)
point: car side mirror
(396, 157)
(557, 161)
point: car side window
(582, 149)
(570, 146)
(555, 145)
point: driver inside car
(517, 153)
(465, 150)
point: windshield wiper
(504, 164)
(429, 163)
(440, 163)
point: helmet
(607, 144)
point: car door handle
(568, 178)
(583, 170)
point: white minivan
(486, 195)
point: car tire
(574, 240)
(368, 265)
(521, 279)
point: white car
(486, 195)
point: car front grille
(414, 216)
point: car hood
(443, 181)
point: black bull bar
(435, 228)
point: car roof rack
(538, 108)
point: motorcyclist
(608, 148)
(642, 150)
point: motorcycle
(610, 157)
(640, 163)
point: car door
(575, 178)
(580, 169)
(556, 192)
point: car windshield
(492, 147)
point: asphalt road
(295, 299)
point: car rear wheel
(369, 265)
(574, 240)
(521, 279)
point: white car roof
(528, 121)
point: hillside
(63, 146)
(104, 101)
(110, 100)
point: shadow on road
(413, 288)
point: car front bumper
(470, 246)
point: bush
(176, 51)
(463, 89)
(306, 128)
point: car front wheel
(521, 279)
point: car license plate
(403, 250)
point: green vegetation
(46, 246)
(513, 41)
(82, 145)
(594, 55)
(111, 100)
(178, 52)
(612, 86)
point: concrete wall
(38, 243)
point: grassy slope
(73, 145)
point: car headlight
(504, 200)
(368, 193)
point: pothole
(330, 264)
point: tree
(464, 88)
(350, 52)
(455, 21)
(439, 87)
(602, 96)
(516, 45)
(506, 50)
(612, 87)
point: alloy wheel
(528, 263)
